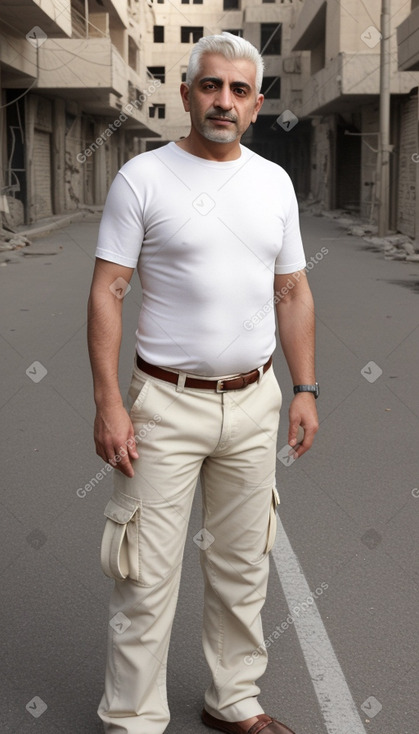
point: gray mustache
(214, 113)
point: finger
(295, 433)
(121, 461)
(125, 467)
(300, 434)
(306, 443)
(132, 448)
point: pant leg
(144, 540)
(239, 499)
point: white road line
(336, 703)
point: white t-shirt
(207, 238)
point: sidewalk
(24, 240)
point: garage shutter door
(42, 174)
(407, 168)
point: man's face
(222, 99)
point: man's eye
(241, 92)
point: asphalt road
(347, 660)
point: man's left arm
(296, 325)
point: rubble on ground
(11, 245)
(394, 246)
(12, 240)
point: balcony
(118, 8)
(53, 17)
(349, 80)
(408, 42)
(17, 62)
(310, 25)
(81, 65)
(93, 73)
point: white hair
(229, 46)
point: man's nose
(224, 98)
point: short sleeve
(291, 257)
(121, 228)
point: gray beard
(219, 136)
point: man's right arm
(113, 428)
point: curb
(58, 223)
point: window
(183, 70)
(231, 5)
(191, 34)
(159, 72)
(132, 53)
(158, 34)
(135, 95)
(234, 31)
(271, 87)
(160, 109)
(270, 39)
(268, 1)
(195, 2)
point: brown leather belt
(231, 383)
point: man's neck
(204, 148)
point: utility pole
(384, 138)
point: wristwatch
(308, 388)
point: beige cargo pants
(230, 438)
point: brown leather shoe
(265, 724)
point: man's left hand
(302, 412)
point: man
(215, 230)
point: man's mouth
(220, 119)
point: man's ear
(258, 105)
(184, 93)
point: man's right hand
(114, 438)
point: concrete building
(408, 47)
(266, 24)
(280, 133)
(87, 84)
(341, 98)
(74, 89)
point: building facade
(87, 84)
(341, 98)
(265, 23)
(73, 93)
(408, 56)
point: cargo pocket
(272, 523)
(119, 549)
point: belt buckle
(220, 388)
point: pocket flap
(272, 525)
(121, 510)
(114, 552)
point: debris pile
(394, 246)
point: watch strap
(307, 388)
